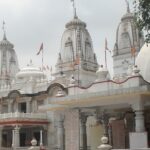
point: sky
(31, 22)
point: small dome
(102, 73)
(30, 71)
(75, 22)
(102, 69)
(143, 61)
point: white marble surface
(143, 62)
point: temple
(83, 102)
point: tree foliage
(142, 16)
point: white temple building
(82, 103)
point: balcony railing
(19, 148)
(18, 115)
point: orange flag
(133, 51)
(77, 61)
(41, 49)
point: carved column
(1, 129)
(10, 105)
(28, 107)
(34, 106)
(16, 109)
(140, 135)
(13, 138)
(41, 138)
(139, 121)
(83, 133)
(138, 108)
(60, 132)
(16, 137)
(1, 107)
(103, 118)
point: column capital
(17, 127)
(138, 105)
(28, 99)
(59, 117)
(83, 115)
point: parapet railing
(23, 115)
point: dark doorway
(4, 140)
(22, 139)
(23, 107)
(37, 137)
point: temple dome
(30, 72)
(102, 74)
(143, 61)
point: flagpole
(105, 59)
(42, 59)
(78, 75)
(134, 59)
(51, 72)
(106, 48)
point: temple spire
(128, 7)
(74, 8)
(3, 27)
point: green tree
(142, 16)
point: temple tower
(8, 61)
(129, 40)
(76, 56)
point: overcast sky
(31, 22)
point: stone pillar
(10, 101)
(41, 138)
(28, 107)
(110, 133)
(16, 109)
(138, 108)
(83, 134)
(13, 138)
(139, 121)
(16, 137)
(34, 106)
(60, 133)
(1, 107)
(1, 129)
(9, 107)
(138, 139)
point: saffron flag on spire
(77, 60)
(133, 51)
(41, 49)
